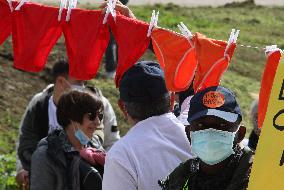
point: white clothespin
(10, 5)
(72, 5)
(110, 10)
(271, 49)
(184, 30)
(233, 39)
(63, 5)
(153, 22)
(22, 2)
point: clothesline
(196, 56)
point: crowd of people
(69, 137)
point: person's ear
(121, 106)
(241, 133)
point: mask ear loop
(10, 5)
(110, 10)
(22, 2)
(75, 126)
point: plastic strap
(271, 49)
(22, 2)
(233, 39)
(184, 30)
(63, 5)
(10, 5)
(72, 5)
(153, 22)
(110, 10)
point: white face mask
(212, 146)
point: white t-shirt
(52, 118)
(147, 153)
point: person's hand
(123, 9)
(22, 178)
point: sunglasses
(92, 116)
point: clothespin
(10, 5)
(184, 30)
(233, 39)
(153, 22)
(110, 10)
(271, 49)
(72, 5)
(22, 2)
(63, 5)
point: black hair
(73, 105)
(141, 111)
(60, 68)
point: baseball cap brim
(228, 116)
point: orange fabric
(211, 61)
(267, 82)
(86, 39)
(132, 41)
(176, 55)
(5, 21)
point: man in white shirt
(156, 143)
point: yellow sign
(268, 167)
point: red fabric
(86, 41)
(5, 21)
(131, 37)
(35, 30)
(267, 82)
(93, 156)
(176, 55)
(211, 61)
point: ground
(260, 26)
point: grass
(260, 26)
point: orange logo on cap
(213, 99)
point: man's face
(67, 83)
(213, 139)
(213, 122)
(73, 81)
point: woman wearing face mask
(57, 164)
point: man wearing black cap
(215, 134)
(156, 143)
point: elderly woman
(57, 164)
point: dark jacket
(57, 165)
(34, 126)
(235, 176)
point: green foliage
(8, 131)
(8, 172)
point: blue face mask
(212, 146)
(79, 134)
